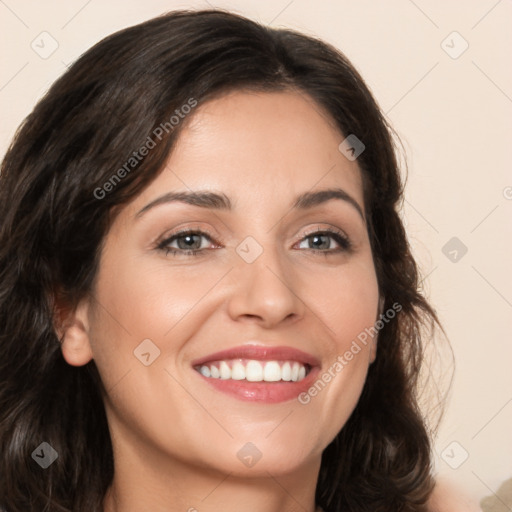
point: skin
(175, 437)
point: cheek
(346, 302)
(346, 299)
(134, 303)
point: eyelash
(339, 237)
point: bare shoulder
(447, 497)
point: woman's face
(283, 282)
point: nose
(266, 291)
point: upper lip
(260, 353)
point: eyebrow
(219, 201)
(203, 199)
(310, 199)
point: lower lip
(263, 392)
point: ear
(72, 328)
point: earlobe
(73, 334)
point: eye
(186, 242)
(328, 241)
(194, 242)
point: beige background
(453, 113)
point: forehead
(246, 142)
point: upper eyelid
(167, 239)
(185, 231)
(319, 229)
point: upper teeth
(255, 371)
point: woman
(207, 296)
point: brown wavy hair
(52, 225)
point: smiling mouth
(252, 370)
